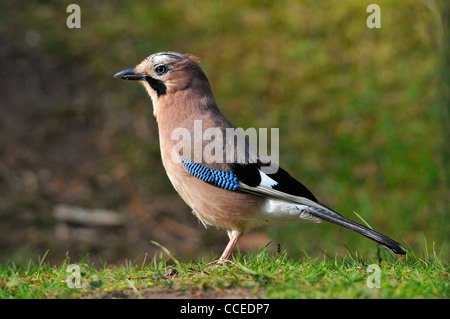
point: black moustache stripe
(157, 85)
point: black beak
(129, 74)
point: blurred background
(363, 117)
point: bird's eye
(161, 69)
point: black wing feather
(250, 175)
(247, 173)
(289, 185)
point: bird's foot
(219, 262)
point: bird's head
(164, 74)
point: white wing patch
(266, 181)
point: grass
(258, 275)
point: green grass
(258, 275)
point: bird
(231, 187)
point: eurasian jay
(236, 189)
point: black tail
(335, 218)
(323, 212)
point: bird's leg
(234, 236)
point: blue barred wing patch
(225, 180)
